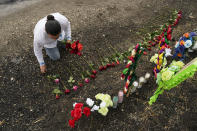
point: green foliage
(57, 91)
(71, 81)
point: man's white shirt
(41, 38)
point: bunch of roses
(179, 16)
(130, 62)
(167, 30)
(76, 113)
(75, 47)
(163, 43)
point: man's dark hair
(52, 26)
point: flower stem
(87, 62)
(100, 57)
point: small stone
(12, 78)
(148, 5)
(103, 35)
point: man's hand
(43, 68)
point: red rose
(68, 46)
(80, 46)
(169, 37)
(67, 91)
(145, 53)
(176, 22)
(122, 76)
(72, 123)
(101, 68)
(79, 53)
(77, 113)
(132, 59)
(72, 52)
(136, 47)
(113, 64)
(180, 12)
(93, 76)
(153, 44)
(159, 38)
(79, 105)
(86, 111)
(73, 45)
(57, 96)
(104, 67)
(169, 30)
(149, 49)
(94, 72)
(72, 113)
(127, 66)
(80, 84)
(129, 77)
(108, 65)
(117, 62)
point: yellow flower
(154, 58)
(106, 98)
(167, 75)
(99, 96)
(180, 64)
(103, 111)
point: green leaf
(130, 49)
(82, 76)
(71, 78)
(57, 91)
(125, 71)
(106, 60)
(103, 63)
(88, 73)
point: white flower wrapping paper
(89, 102)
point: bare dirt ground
(26, 101)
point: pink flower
(75, 88)
(87, 80)
(57, 81)
(136, 47)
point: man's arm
(68, 31)
(38, 53)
